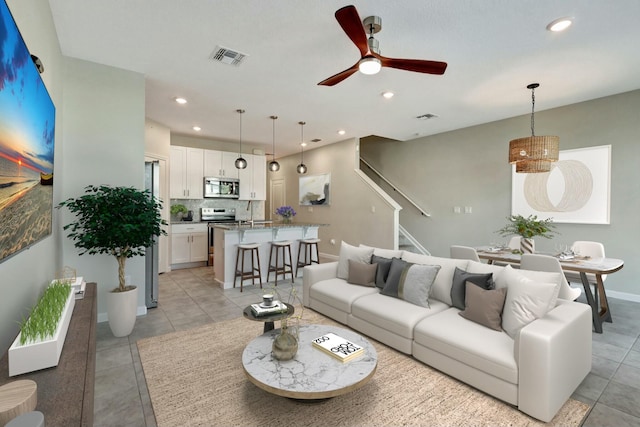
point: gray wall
(25, 275)
(468, 167)
(99, 140)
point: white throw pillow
(354, 253)
(526, 301)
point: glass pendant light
(241, 163)
(302, 168)
(273, 165)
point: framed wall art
(576, 190)
(27, 120)
(315, 190)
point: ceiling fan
(371, 61)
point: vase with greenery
(178, 210)
(119, 221)
(528, 228)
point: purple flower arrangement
(285, 212)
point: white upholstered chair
(586, 248)
(548, 263)
(514, 242)
(463, 252)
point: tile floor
(190, 298)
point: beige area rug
(195, 378)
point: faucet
(250, 208)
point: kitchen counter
(230, 235)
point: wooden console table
(65, 392)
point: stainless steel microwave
(222, 188)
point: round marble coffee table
(311, 374)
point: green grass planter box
(42, 352)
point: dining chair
(548, 263)
(463, 252)
(590, 249)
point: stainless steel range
(216, 216)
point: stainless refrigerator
(152, 183)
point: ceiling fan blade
(417, 65)
(351, 23)
(337, 78)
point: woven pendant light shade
(534, 148)
(534, 154)
(533, 166)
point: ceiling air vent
(427, 116)
(227, 56)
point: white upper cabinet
(220, 164)
(253, 179)
(186, 173)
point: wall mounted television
(27, 124)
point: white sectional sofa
(535, 366)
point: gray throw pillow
(384, 265)
(361, 273)
(484, 306)
(410, 282)
(355, 253)
(460, 277)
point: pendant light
(534, 154)
(302, 168)
(241, 163)
(273, 165)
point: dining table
(600, 310)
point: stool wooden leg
(269, 269)
(290, 264)
(259, 271)
(236, 273)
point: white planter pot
(122, 308)
(527, 246)
(42, 354)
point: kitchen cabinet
(220, 164)
(253, 179)
(186, 173)
(189, 243)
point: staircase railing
(400, 192)
(416, 244)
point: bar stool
(281, 249)
(255, 272)
(309, 245)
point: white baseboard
(623, 296)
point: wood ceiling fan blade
(417, 65)
(351, 23)
(337, 78)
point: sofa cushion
(355, 253)
(384, 264)
(339, 294)
(386, 253)
(526, 301)
(460, 278)
(482, 348)
(481, 267)
(362, 273)
(441, 288)
(484, 306)
(392, 314)
(410, 282)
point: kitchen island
(227, 237)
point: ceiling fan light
(274, 166)
(369, 65)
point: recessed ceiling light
(304, 144)
(388, 94)
(342, 132)
(559, 24)
(181, 100)
(197, 128)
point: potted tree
(120, 221)
(528, 228)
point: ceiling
(493, 50)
